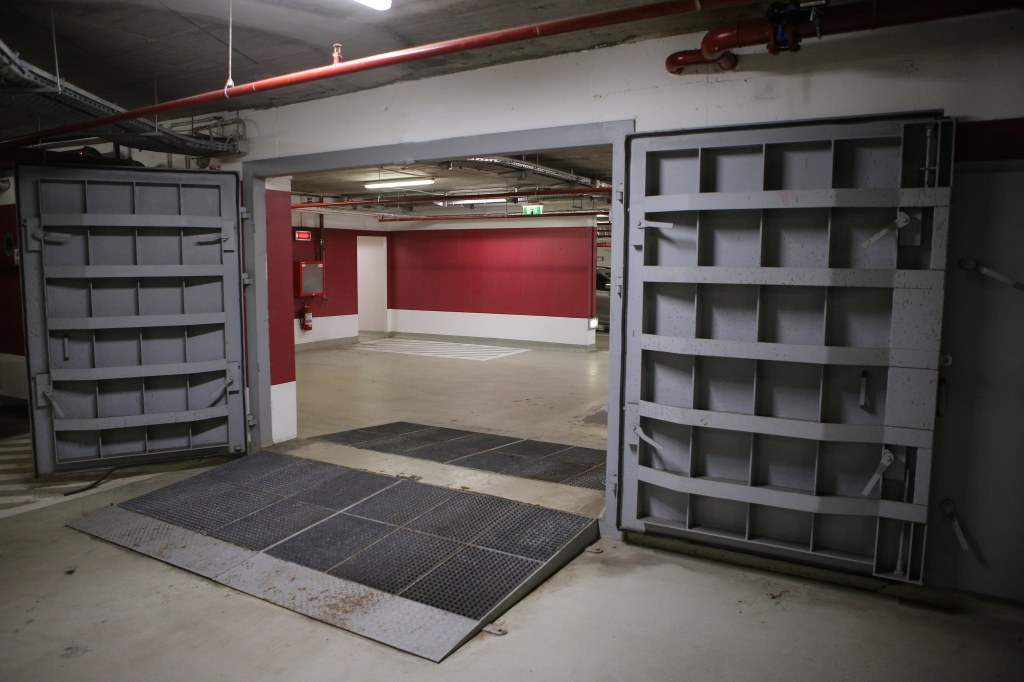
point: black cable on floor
(94, 483)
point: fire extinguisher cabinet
(309, 278)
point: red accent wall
(526, 271)
(339, 256)
(12, 331)
(998, 140)
(280, 284)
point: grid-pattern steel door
(783, 305)
(133, 314)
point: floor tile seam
(301, 462)
(250, 485)
(285, 499)
(603, 465)
(367, 518)
(439, 442)
(325, 519)
(266, 550)
(432, 570)
(391, 532)
(455, 462)
(480, 534)
(539, 565)
(462, 544)
(472, 454)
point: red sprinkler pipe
(484, 216)
(422, 199)
(444, 47)
(861, 16)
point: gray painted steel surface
(133, 314)
(418, 567)
(783, 307)
(979, 463)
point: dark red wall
(12, 333)
(999, 140)
(280, 284)
(525, 271)
(339, 256)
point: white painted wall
(284, 412)
(372, 283)
(328, 328)
(563, 330)
(969, 67)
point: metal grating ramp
(534, 459)
(418, 567)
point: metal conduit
(454, 197)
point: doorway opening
(478, 341)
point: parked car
(604, 290)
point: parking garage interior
(611, 346)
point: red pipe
(678, 62)
(444, 47)
(862, 16)
(491, 216)
(455, 197)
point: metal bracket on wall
(948, 508)
(971, 265)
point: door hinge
(243, 212)
(250, 420)
(246, 279)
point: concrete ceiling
(457, 178)
(136, 52)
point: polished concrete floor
(76, 608)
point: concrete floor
(76, 608)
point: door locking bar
(902, 220)
(647, 439)
(971, 265)
(888, 458)
(228, 383)
(44, 394)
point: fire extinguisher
(307, 318)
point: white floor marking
(441, 349)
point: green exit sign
(537, 209)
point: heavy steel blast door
(783, 304)
(133, 314)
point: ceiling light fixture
(388, 184)
(376, 4)
(463, 202)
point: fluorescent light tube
(388, 184)
(475, 201)
(376, 4)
